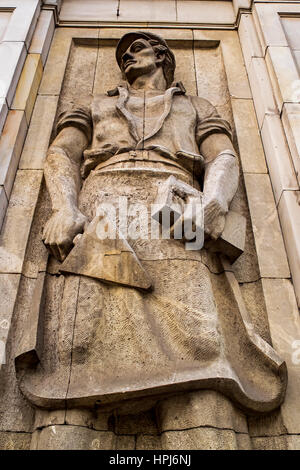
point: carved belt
(150, 156)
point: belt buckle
(132, 155)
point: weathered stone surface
(141, 423)
(261, 89)
(71, 330)
(62, 437)
(289, 213)
(12, 54)
(144, 11)
(248, 137)
(43, 34)
(266, 426)
(3, 112)
(15, 411)
(284, 324)
(56, 63)
(253, 297)
(91, 10)
(5, 16)
(269, 244)
(284, 442)
(3, 204)
(11, 144)
(236, 75)
(278, 157)
(87, 418)
(22, 22)
(28, 85)
(210, 74)
(269, 25)
(45, 418)
(16, 227)
(125, 443)
(205, 439)
(291, 28)
(146, 442)
(204, 12)
(37, 140)
(14, 440)
(270, 443)
(283, 73)
(205, 408)
(9, 284)
(291, 124)
(249, 40)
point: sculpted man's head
(140, 53)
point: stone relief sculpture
(132, 317)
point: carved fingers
(214, 218)
(61, 229)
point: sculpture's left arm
(221, 171)
(220, 181)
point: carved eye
(137, 47)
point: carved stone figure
(135, 317)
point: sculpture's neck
(153, 81)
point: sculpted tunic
(104, 343)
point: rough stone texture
(3, 205)
(278, 157)
(144, 11)
(43, 34)
(5, 16)
(205, 438)
(12, 54)
(249, 40)
(61, 437)
(281, 304)
(248, 136)
(14, 440)
(289, 212)
(145, 442)
(291, 124)
(206, 409)
(38, 136)
(268, 237)
(141, 423)
(261, 89)
(283, 73)
(204, 12)
(11, 144)
(105, 11)
(36, 257)
(16, 227)
(22, 22)
(3, 112)
(28, 85)
(236, 75)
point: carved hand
(214, 217)
(61, 229)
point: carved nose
(126, 56)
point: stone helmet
(155, 41)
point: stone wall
(250, 52)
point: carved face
(139, 59)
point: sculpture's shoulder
(203, 107)
(102, 98)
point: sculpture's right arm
(62, 175)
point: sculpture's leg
(202, 420)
